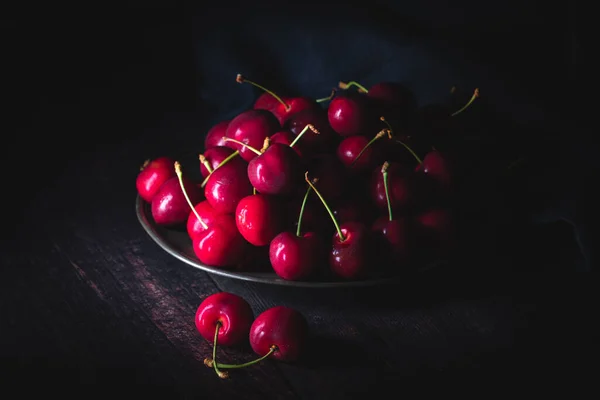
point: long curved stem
(252, 149)
(379, 135)
(241, 79)
(225, 161)
(205, 162)
(361, 88)
(272, 350)
(337, 225)
(187, 198)
(299, 227)
(384, 172)
(407, 147)
(219, 373)
(475, 95)
(302, 132)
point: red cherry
(251, 128)
(312, 142)
(214, 136)
(258, 219)
(348, 114)
(169, 205)
(400, 185)
(393, 242)
(212, 157)
(436, 167)
(221, 244)
(361, 154)
(276, 171)
(152, 175)
(227, 185)
(282, 328)
(351, 254)
(230, 312)
(281, 107)
(294, 257)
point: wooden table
(90, 299)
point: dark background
(84, 86)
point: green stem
(240, 79)
(384, 172)
(252, 149)
(187, 198)
(360, 87)
(475, 95)
(205, 162)
(382, 118)
(337, 225)
(381, 134)
(328, 97)
(306, 128)
(225, 161)
(410, 150)
(298, 228)
(214, 353)
(272, 350)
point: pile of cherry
(314, 191)
(227, 319)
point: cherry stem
(475, 95)
(337, 225)
(241, 79)
(299, 227)
(266, 144)
(252, 149)
(407, 147)
(272, 350)
(333, 91)
(215, 365)
(361, 88)
(180, 177)
(382, 119)
(205, 162)
(145, 164)
(381, 134)
(384, 172)
(306, 128)
(225, 161)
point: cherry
(400, 187)
(224, 318)
(170, 204)
(227, 185)
(295, 256)
(276, 170)
(436, 229)
(351, 248)
(283, 107)
(349, 114)
(212, 157)
(437, 168)
(251, 127)
(258, 218)
(152, 175)
(312, 142)
(218, 244)
(392, 235)
(285, 137)
(392, 98)
(214, 136)
(358, 153)
(202, 216)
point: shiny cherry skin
(436, 166)
(221, 245)
(152, 175)
(348, 114)
(227, 185)
(293, 106)
(294, 257)
(169, 206)
(251, 127)
(259, 219)
(231, 311)
(277, 171)
(350, 258)
(283, 327)
(214, 136)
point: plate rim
(150, 229)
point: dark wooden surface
(91, 305)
